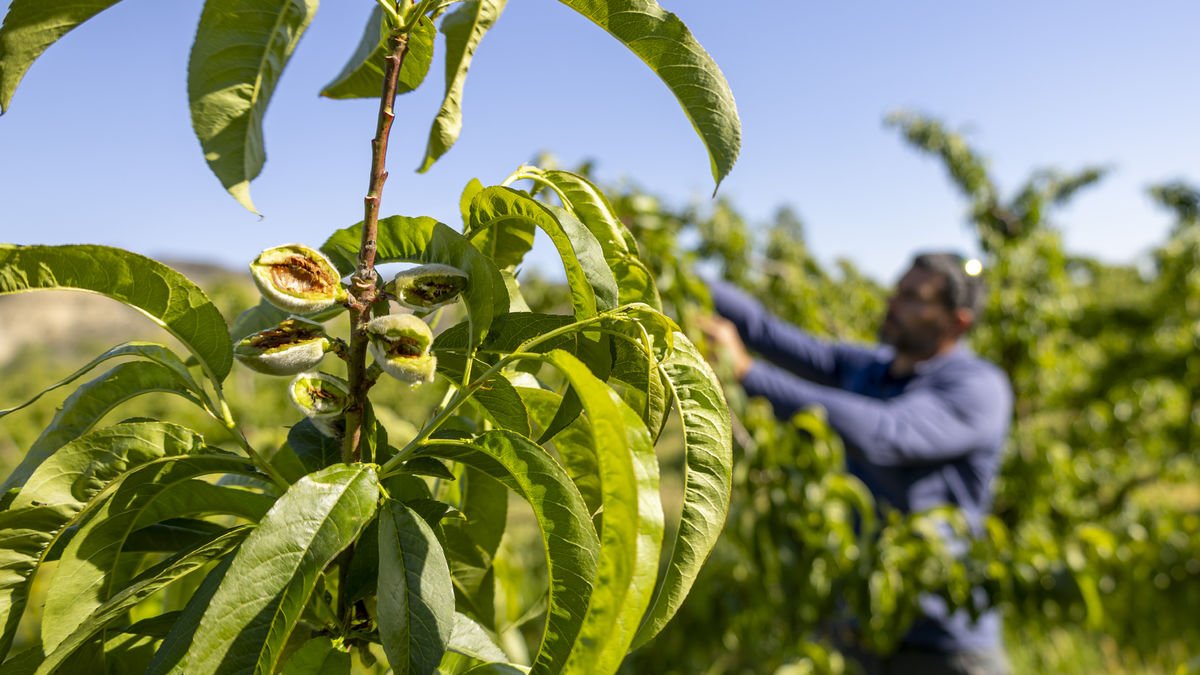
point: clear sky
(97, 146)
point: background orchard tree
(349, 546)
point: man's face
(917, 320)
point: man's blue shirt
(929, 439)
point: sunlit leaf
(708, 465)
(363, 75)
(30, 27)
(416, 597)
(276, 568)
(666, 45)
(60, 488)
(464, 29)
(87, 571)
(238, 56)
(145, 585)
(592, 285)
(567, 537)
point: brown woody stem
(363, 290)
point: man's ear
(963, 319)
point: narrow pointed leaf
(424, 240)
(708, 465)
(170, 299)
(190, 498)
(464, 29)
(147, 350)
(30, 27)
(147, 583)
(573, 443)
(276, 569)
(238, 56)
(314, 449)
(586, 202)
(470, 639)
(363, 75)
(416, 597)
(628, 518)
(57, 492)
(91, 402)
(88, 571)
(666, 45)
(592, 285)
(172, 653)
(568, 539)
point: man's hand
(725, 344)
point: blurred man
(923, 420)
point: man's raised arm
(784, 344)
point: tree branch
(363, 290)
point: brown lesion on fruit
(286, 333)
(434, 290)
(300, 276)
(404, 346)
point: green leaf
(472, 188)
(470, 639)
(30, 27)
(90, 403)
(568, 539)
(314, 449)
(276, 569)
(87, 572)
(632, 531)
(147, 350)
(202, 498)
(238, 56)
(592, 285)
(166, 296)
(708, 467)
(496, 397)
(60, 488)
(416, 597)
(147, 584)
(363, 75)
(585, 201)
(424, 240)
(172, 653)
(666, 45)
(573, 443)
(464, 29)
(318, 656)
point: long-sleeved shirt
(924, 440)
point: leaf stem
(363, 288)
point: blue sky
(97, 146)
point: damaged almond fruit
(297, 279)
(427, 287)
(322, 398)
(294, 346)
(400, 344)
